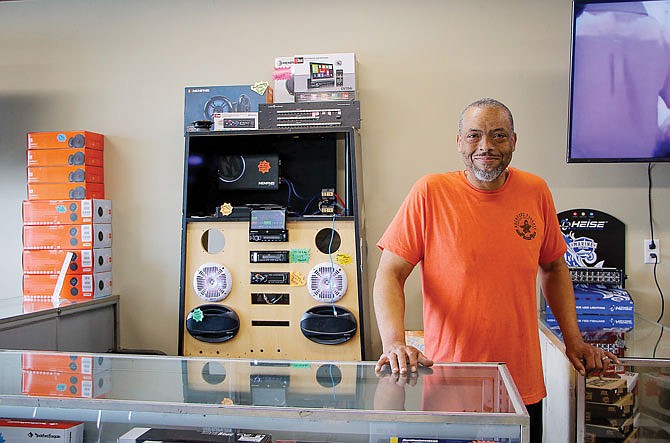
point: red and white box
(64, 384)
(76, 288)
(21, 431)
(66, 174)
(65, 191)
(68, 237)
(65, 212)
(83, 261)
(68, 363)
(64, 157)
(65, 139)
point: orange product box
(68, 237)
(63, 212)
(40, 287)
(65, 139)
(83, 261)
(62, 362)
(64, 157)
(66, 174)
(64, 384)
(65, 191)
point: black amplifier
(310, 115)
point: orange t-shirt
(479, 253)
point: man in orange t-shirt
(480, 237)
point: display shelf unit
(647, 353)
(258, 308)
(294, 400)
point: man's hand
(588, 359)
(402, 358)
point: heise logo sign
(596, 225)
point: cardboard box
(61, 362)
(65, 139)
(192, 435)
(65, 191)
(605, 390)
(324, 72)
(76, 288)
(201, 102)
(282, 75)
(65, 212)
(624, 322)
(66, 174)
(68, 237)
(64, 384)
(597, 433)
(21, 431)
(64, 157)
(83, 261)
(602, 300)
(622, 408)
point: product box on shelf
(622, 323)
(66, 174)
(193, 436)
(66, 363)
(65, 212)
(82, 261)
(621, 408)
(65, 384)
(283, 79)
(324, 72)
(77, 288)
(598, 433)
(65, 191)
(65, 139)
(69, 237)
(202, 102)
(20, 431)
(605, 390)
(65, 157)
(602, 300)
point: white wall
(119, 68)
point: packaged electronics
(65, 140)
(53, 212)
(192, 435)
(20, 431)
(324, 72)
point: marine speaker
(212, 323)
(216, 104)
(328, 324)
(327, 282)
(212, 282)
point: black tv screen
(620, 82)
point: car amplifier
(309, 115)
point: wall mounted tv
(620, 82)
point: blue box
(201, 102)
(603, 300)
(622, 323)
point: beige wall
(119, 68)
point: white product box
(21, 431)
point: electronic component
(269, 278)
(268, 256)
(309, 114)
(268, 225)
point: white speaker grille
(326, 282)
(212, 282)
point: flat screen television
(620, 82)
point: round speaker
(76, 159)
(212, 323)
(326, 282)
(328, 324)
(212, 282)
(78, 193)
(216, 104)
(231, 168)
(77, 176)
(77, 141)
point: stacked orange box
(63, 375)
(67, 223)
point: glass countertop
(170, 384)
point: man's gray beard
(487, 176)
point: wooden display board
(271, 330)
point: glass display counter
(290, 400)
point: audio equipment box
(202, 102)
(64, 157)
(65, 139)
(310, 115)
(235, 121)
(66, 174)
(65, 191)
(65, 212)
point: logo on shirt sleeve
(524, 225)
